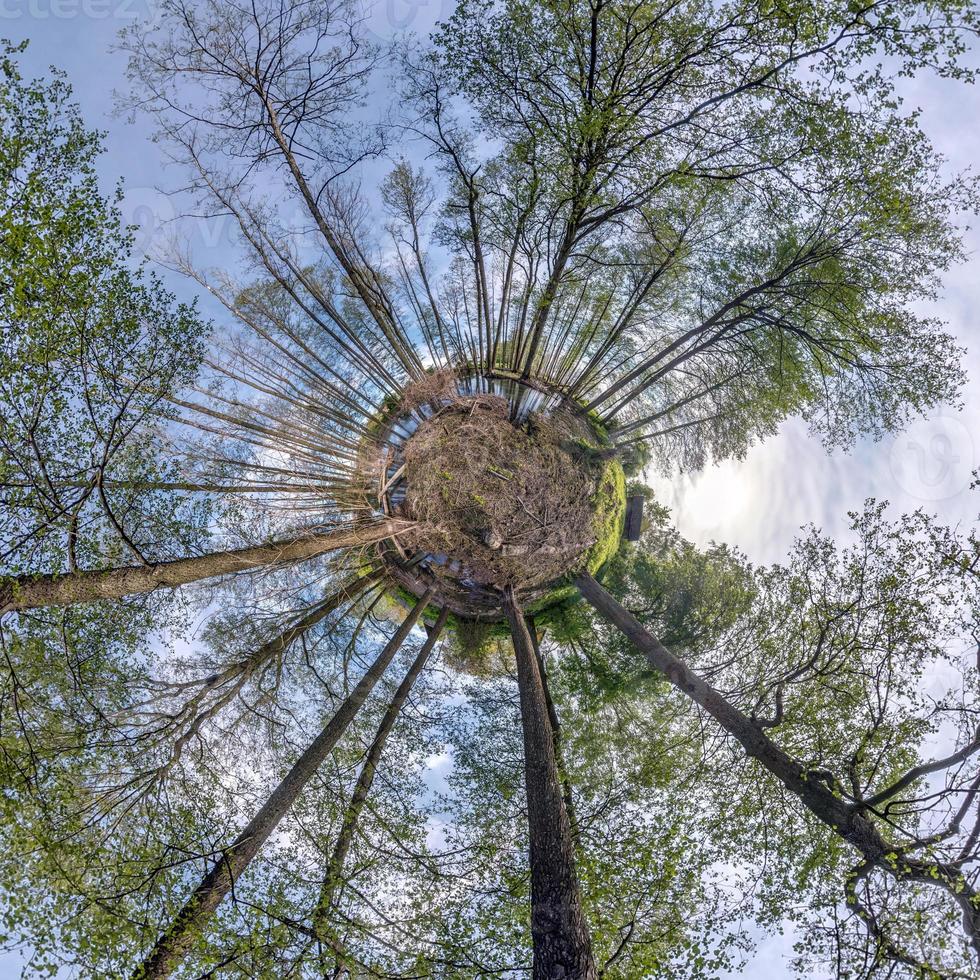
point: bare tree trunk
(548, 298)
(849, 821)
(67, 588)
(364, 279)
(559, 931)
(190, 921)
(333, 879)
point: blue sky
(758, 503)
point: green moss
(598, 427)
(609, 505)
(551, 603)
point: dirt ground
(511, 503)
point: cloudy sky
(758, 503)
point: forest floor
(514, 504)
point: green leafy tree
(646, 232)
(845, 684)
(92, 347)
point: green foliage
(91, 349)
(478, 649)
(656, 891)
(696, 219)
(852, 659)
(91, 346)
(755, 163)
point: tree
(652, 231)
(562, 946)
(824, 676)
(91, 348)
(747, 250)
(171, 947)
(333, 878)
(87, 586)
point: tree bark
(566, 785)
(548, 298)
(848, 821)
(333, 879)
(67, 588)
(559, 931)
(190, 921)
(753, 739)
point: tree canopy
(324, 650)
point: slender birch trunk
(333, 879)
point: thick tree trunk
(566, 786)
(559, 931)
(67, 588)
(173, 945)
(334, 877)
(849, 821)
